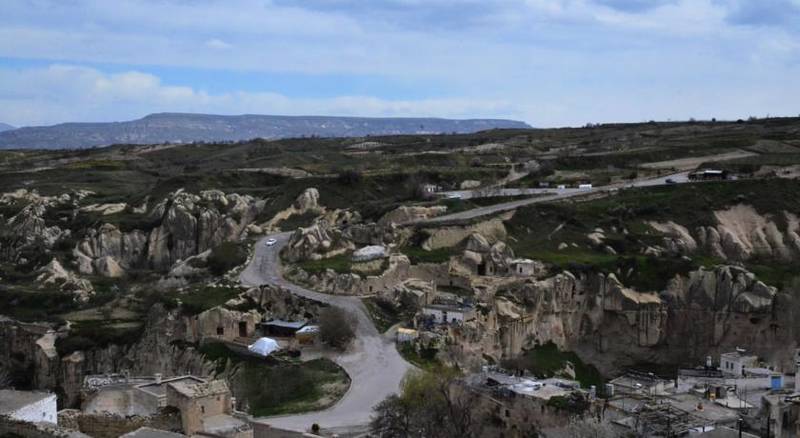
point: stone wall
(112, 426)
(11, 427)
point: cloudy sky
(547, 62)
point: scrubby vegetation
(547, 360)
(274, 387)
(337, 328)
(226, 256)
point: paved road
(372, 362)
(678, 178)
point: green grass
(200, 299)
(419, 255)
(341, 263)
(533, 229)
(546, 360)
(271, 387)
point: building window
(220, 330)
(202, 409)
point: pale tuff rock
(740, 234)
(469, 184)
(306, 202)
(320, 240)
(105, 209)
(54, 274)
(187, 225)
(725, 288)
(447, 236)
(108, 267)
(406, 214)
(29, 226)
(192, 267)
(677, 239)
(107, 241)
(596, 238)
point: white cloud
(217, 44)
(69, 93)
(549, 62)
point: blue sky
(547, 62)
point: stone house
(207, 408)
(225, 324)
(523, 267)
(447, 314)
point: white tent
(264, 347)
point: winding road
(375, 367)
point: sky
(547, 62)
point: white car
(271, 242)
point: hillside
(5, 127)
(188, 128)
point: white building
(523, 267)
(443, 314)
(735, 362)
(29, 406)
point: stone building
(29, 406)
(207, 408)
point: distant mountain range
(5, 127)
(187, 128)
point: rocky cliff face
(613, 326)
(167, 344)
(740, 234)
(188, 225)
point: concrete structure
(734, 363)
(446, 314)
(523, 267)
(29, 406)
(207, 408)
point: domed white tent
(264, 347)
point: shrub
(337, 328)
(225, 257)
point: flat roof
(286, 324)
(204, 389)
(448, 308)
(11, 400)
(161, 388)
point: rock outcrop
(185, 225)
(613, 326)
(55, 275)
(408, 214)
(319, 241)
(740, 234)
(306, 202)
